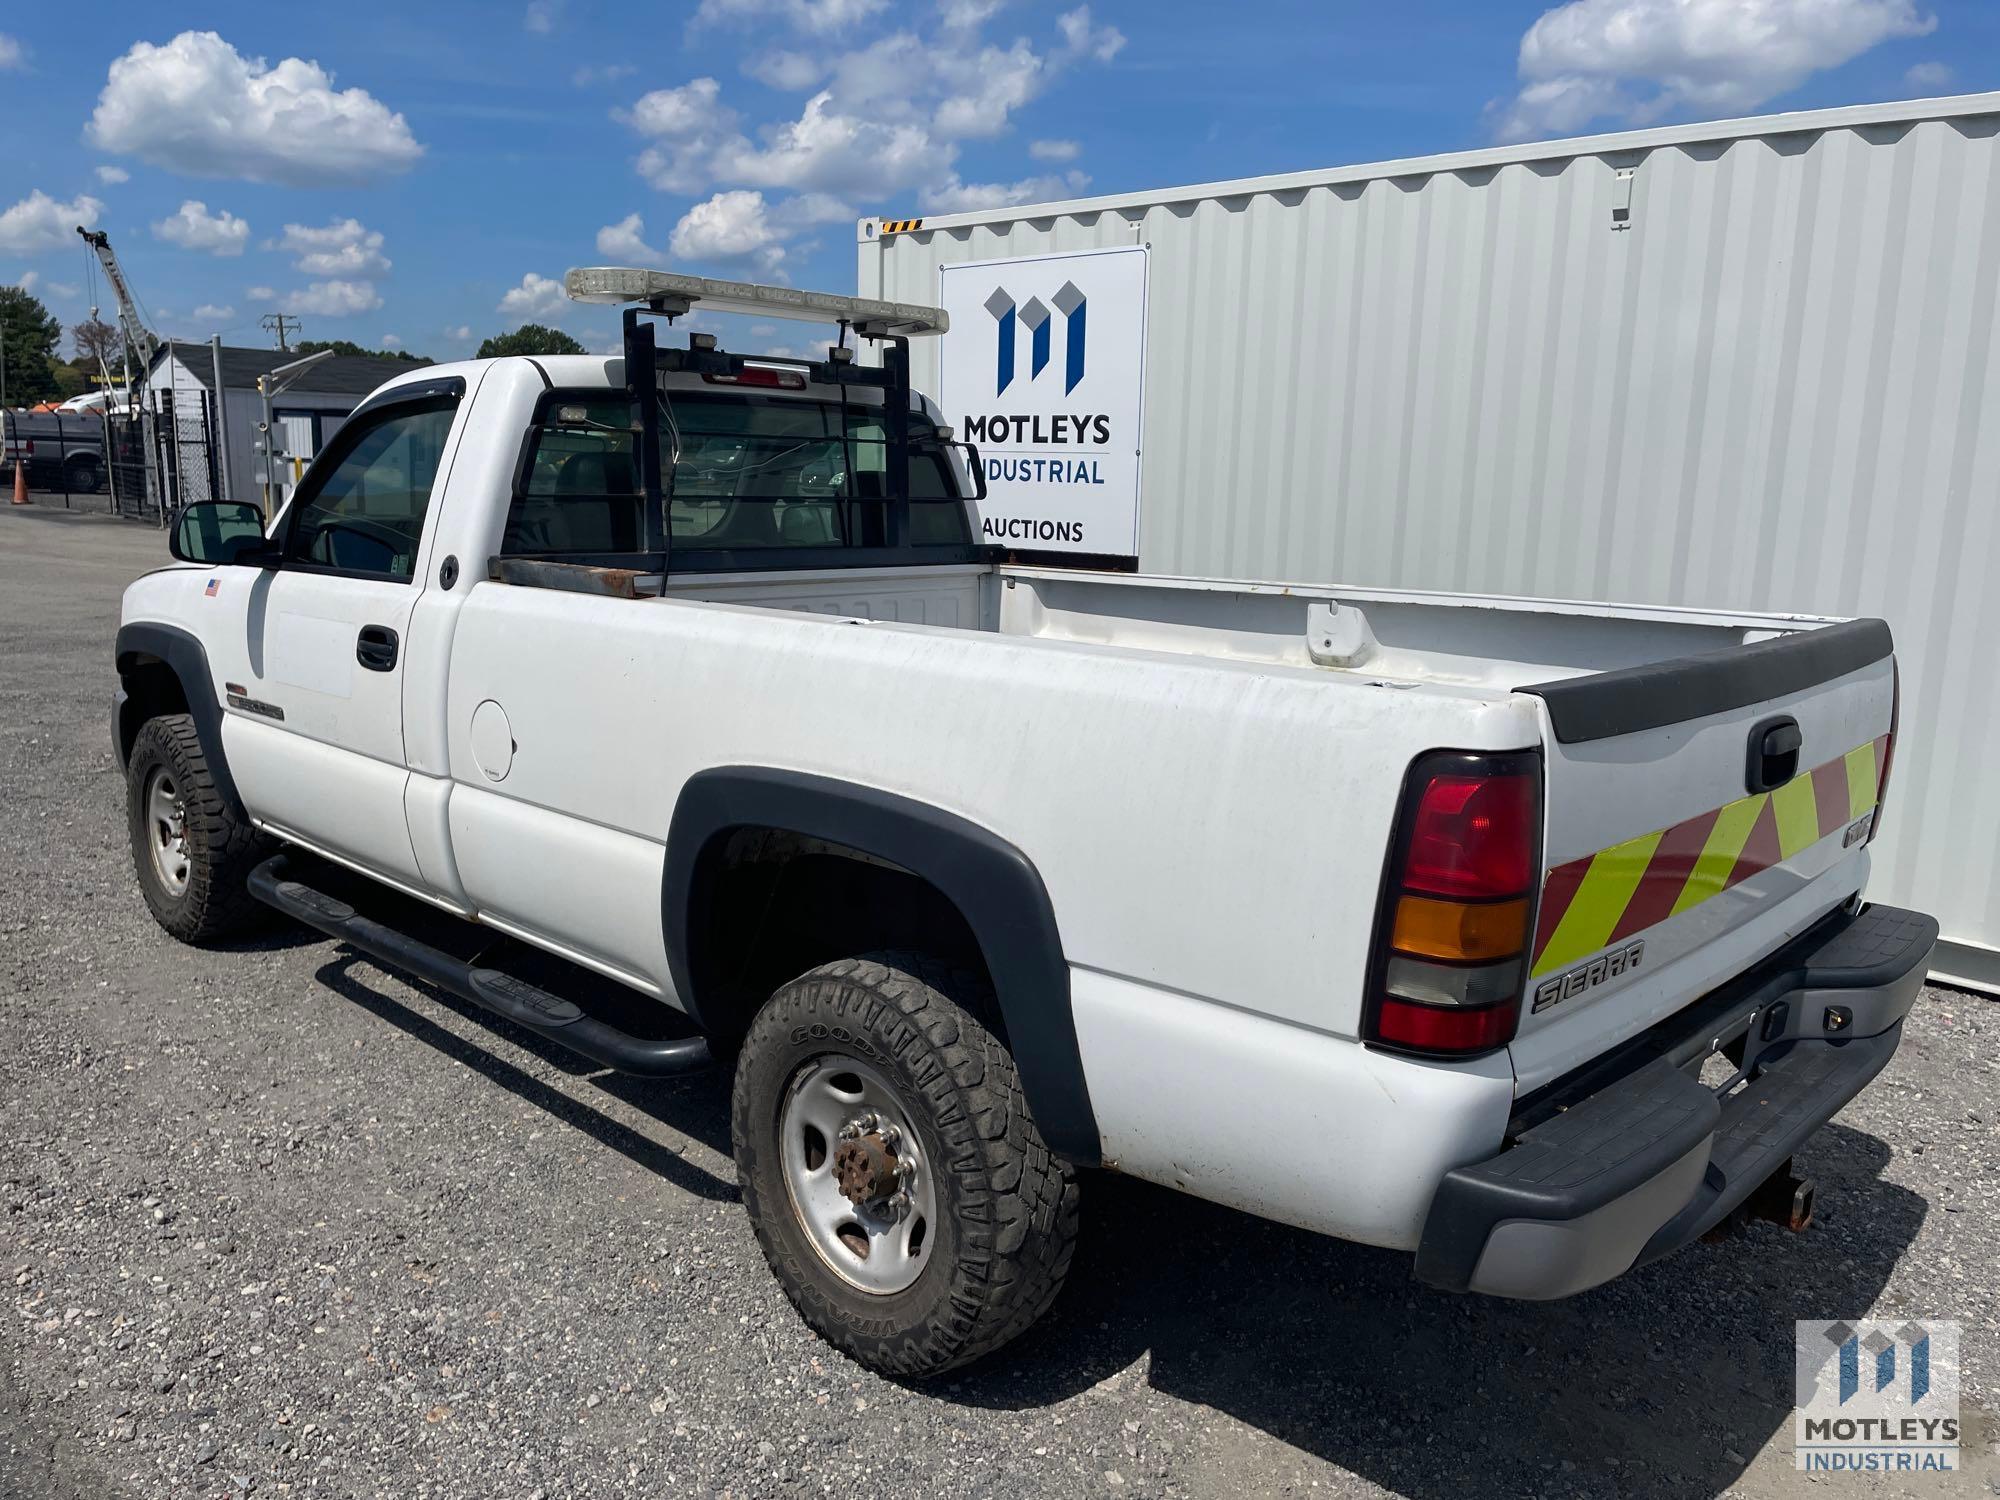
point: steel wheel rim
(166, 830)
(875, 1247)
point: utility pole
(281, 324)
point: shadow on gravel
(696, 1107)
(1665, 1381)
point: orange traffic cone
(20, 482)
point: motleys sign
(1044, 370)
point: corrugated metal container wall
(1773, 390)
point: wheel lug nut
(891, 1136)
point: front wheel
(192, 852)
(896, 1182)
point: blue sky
(424, 173)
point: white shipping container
(1745, 365)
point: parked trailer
(1741, 365)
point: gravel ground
(276, 1221)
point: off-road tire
(222, 846)
(1007, 1209)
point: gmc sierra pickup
(1524, 937)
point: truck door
(315, 736)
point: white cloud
(1083, 39)
(390, 341)
(825, 150)
(540, 16)
(198, 106)
(763, 330)
(885, 120)
(208, 312)
(1930, 76)
(805, 210)
(28, 280)
(625, 243)
(195, 228)
(346, 249)
(729, 227)
(12, 54)
(964, 197)
(813, 16)
(535, 297)
(334, 299)
(1641, 60)
(585, 76)
(461, 334)
(678, 112)
(112, 176)
(39, 222)
(790, 71)
(684, 125)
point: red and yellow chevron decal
(1617, 893)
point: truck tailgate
(1700, 814)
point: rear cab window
(744, 470)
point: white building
(303, 416)
(1747, 365)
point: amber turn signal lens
(1459, 930)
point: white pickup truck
(1527, 938)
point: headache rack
(646, 295)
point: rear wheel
(83, 475)
(192, 852)
(897, 1184)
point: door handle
(375, 649)
(1774, 754)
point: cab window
(744, 470)
(361, 509)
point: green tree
(530, 338)
(28, 339)
(348, 346)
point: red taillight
(1452, 937)
(1473, 838)
(761, 375)
(1444, 1029)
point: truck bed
(1489, 643)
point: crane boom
(137, 334)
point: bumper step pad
(1601, 1163)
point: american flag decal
(213, 585)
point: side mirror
(221, 532)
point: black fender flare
(992, 883)
(185, 657)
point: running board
(512, 999)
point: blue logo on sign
(1037, 319)
(1881, 1352)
